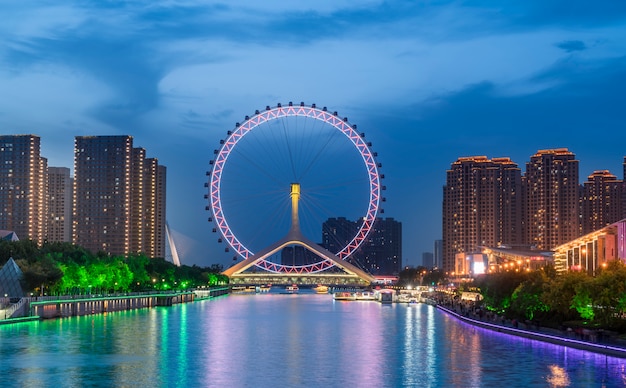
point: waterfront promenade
(588, 341)
(35, 308)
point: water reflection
(558, 377)
(291, 340)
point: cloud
(571, 45)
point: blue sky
(427, 81)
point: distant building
(59, 226)
(118, 197)
(379, 254)
(427, 259)
(297, 255)
(551, 198)
(601, 201)
(482, 205)
(337, 232)
(438, 254)
(23, 182)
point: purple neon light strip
(525, 333)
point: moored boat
(292, 288)
(364, 295)
(344, 295)
(321, 289)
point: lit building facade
(118, 197)
(482, 205)
(23, 187)
(552, 198)
(601, 201)
(59, 204)
(592, 251)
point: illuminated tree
(526, 300)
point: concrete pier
(60, 308)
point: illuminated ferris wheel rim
(261, 117)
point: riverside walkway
(30, 309)
(592, 344)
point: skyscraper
(23, 185)
(118, 198)
(552, 198)
(59, 204)
(337, 232)
(482, 205)
(427, 259)
(601, 201)
(438, 254)
(379, 254)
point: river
(303, 340)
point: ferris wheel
(275, 147)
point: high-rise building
(427, 259)
(552, 198)
(624, 190)
(438, 254)
(601, 201)
(23, 187)
(118, 197)
(59, 204)
(297, 255)
(482, 205)
(379, 254)
(337, 232)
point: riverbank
(538, 334)
(33, 309)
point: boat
(265, 288)
(364, 295)
(293, 288)
(321, 289)
(237, 289)
(344, 295)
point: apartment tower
(23, 185)
(481, 206)
(601, 201)
(552, 198)
(59, 204)
(379, 254)
(118, 197)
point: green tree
(40, 274)
(559, 295)
(497, 289)
(526, 300)
(582, 301)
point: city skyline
(427, 83)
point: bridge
(331, 270)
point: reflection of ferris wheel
(283, 120)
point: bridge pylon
(350, 275)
